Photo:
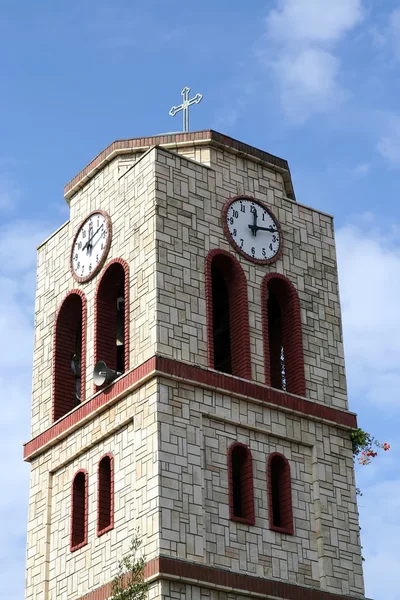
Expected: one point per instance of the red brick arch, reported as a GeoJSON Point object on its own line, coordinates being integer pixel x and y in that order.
{"type": "Point", "coordinates": [72, 310]}
{"type": "Point", "coordinates": [236, 283]}
{"type": "Point", "coordinates": [105, 325]}
{"type": "Point", "coordinates": [79, 510]}
{"type": "Point", "coordinates": [292, 340]}
{"type": "Point", "coordinates": [239, 457]}
{"type": "Point", "coordinates": [105, 494]}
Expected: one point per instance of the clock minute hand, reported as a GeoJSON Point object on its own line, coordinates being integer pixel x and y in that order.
{"type": "Point", "coordinates": [89, 242]}
{"type": "Point", "coordinates": [270, 229]}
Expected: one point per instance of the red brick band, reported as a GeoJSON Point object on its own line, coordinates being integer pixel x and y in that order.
{"type": "Point", "coordinates": [203, 575]}
{"type": "Point", "coordinates": [158, 365]}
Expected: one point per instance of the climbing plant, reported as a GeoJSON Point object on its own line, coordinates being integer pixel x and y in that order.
{"type": "Point", "coordinates": [365, 446]}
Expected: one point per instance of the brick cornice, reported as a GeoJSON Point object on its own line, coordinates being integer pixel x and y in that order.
{"type": "Point", "coordinates": [202, 575]}
{"type": "Point", "coordinates": [202, 377]}
{"type": "Point", "coordinates": [174, 141]}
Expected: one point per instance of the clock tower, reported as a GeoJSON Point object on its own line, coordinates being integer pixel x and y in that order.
{"type": "Point", "coordinates": [189, 382]}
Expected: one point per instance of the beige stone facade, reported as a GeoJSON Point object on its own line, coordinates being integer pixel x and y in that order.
{"type": "Point", "coordinates": [170, 437]}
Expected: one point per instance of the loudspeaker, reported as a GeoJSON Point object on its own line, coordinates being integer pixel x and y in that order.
{"type": "Point", "coordinates": [102, 374]}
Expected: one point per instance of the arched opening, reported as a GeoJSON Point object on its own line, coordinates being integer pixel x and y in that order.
{"type": "Point", "coordinates": [111, 323]}
{"type": "Point", "coordinates": [105, 490]}
{"type": "Point", "coordinates": [227, 315]}
{"type": "Point", "coordinates": [280, 494]}
{"type": "Point", "coordinates": [283, 345]}
{"type": "Point", "coordinates": [79, 511]}
{"type": "Point", "coordinates": [240, 475]}
{"type": "Point", "coordinates": [69, 355]}
{"type": "Point", "coordinates": [275, 339]}
{"type": "Point", "coordinates": [221, 328]}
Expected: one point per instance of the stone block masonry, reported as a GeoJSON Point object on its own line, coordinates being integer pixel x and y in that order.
{"type": "Point", "coordinates": [169, 421]}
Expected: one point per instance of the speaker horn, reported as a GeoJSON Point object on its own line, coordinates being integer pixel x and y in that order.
{"type": "Point", "coordinates": [102, 374]}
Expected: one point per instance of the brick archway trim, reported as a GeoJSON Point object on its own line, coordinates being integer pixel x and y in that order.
{"type": "Point", "coordinates": [292, 332]}
{"type": "Point", "coordinates": [55, 374]}
{"type": "Point", "coordinates": [240, 330]}
{"type": "Point", "coordinates": [285, 499]}
{"type": "Point", "coordinates": [247, 485]}
{"type": "Point", "coordinates": [182, 571]}
{"type": "Point", "coordinates": [125, 267]}
{"type": "Point", "coordinates": [74, 547]}
{"type": "Point", "coordinates": [101, 530]}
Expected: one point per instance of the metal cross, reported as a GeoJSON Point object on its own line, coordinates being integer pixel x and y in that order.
{"type": "Point", "coordinates": [184, 107]}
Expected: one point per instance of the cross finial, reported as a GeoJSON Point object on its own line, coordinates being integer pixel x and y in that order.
{"type": "Point", "coordinates": [184, 107]}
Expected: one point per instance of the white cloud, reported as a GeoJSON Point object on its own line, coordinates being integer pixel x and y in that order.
{"type": "Point", "coordinates": [389, 144]}
{"type": "Point", "coordinates": [393, 32]}
{"type": "Point", "coordinates": [387, 37]}
{"type": "Point", "coordinates": [298, 47]}
{"type": "Point", "coordinates": [9, 192]}
{"type": "Point", "coordinates": [369, 273]}
{"type": "Point", "coordinates": [380, 534]}
{"type": "Point", "coordinates": [361, 169]}
{"type": "Point", "coordinates": [313, 21]}
{"type": "Point", "coordinates": [18, 243]}
{"type": "Point", "coordinates": [313, 69]}
{"type": "Point", "coordinates": [308, 82]}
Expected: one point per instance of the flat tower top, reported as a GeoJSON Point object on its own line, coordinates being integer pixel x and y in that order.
{"type": "Point", "coordinates": [179, 140]}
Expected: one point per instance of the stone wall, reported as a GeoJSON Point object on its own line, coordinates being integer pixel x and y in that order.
{"type": "Point", "coordinates": [190, 198]}
{"type": "Point", "coordinates": [129, 431]}
{"type": "Point", "coordinates": [169, 439]}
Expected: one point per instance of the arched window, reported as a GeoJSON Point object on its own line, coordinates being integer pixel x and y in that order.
{"type": "Point", "coordinates": [227, 315]}
{"type": "Point", "coordinates": [69, 354]}
{"type": "Point", "coordinates": [283, 344]}
{"type": "Point", "coordinates": [105, 495]}
{"type": "Point", "coordinates": [112, 317]}
{"type": "Point", "coordinates": [240, 479]}
{"type": "Point", "coordinates": [79, 510]}
{"type": "Point", "coordinates": [279, 494]}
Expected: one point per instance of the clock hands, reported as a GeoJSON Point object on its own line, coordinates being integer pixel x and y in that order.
{"type": "Point", "coordinates": [89, 242]}
{"type": "Point", "coordinates": [270, 229]}
{"type": "Point", "coordinates": [254, 227]}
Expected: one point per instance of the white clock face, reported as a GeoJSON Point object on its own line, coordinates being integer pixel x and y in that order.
{"type": "Point", "coordinates": [91, 245]}
{"type": "Point", "coordinates": [252, 229]}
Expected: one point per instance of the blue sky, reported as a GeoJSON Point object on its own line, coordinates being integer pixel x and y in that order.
{"type": "Point", "coordinates": [316, 83]}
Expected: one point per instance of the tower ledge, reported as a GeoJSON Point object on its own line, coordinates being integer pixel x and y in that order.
{"type": "Point", "coordinates": [179, 140]}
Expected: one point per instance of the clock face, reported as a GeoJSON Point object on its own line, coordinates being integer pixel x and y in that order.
{"type": "Point", "coordinates": [91, 244]}
{"type": "Point", "coordinates": [252, 229]}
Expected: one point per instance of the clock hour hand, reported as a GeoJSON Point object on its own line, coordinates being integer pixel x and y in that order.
{"type": "Point", "coordinates": [254, 227]}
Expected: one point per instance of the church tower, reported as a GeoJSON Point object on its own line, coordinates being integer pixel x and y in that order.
{"type": "Point", "coordinates": [216, 421]}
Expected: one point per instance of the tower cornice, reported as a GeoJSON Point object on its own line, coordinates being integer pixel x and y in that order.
{"type": "Point", "coordinates": [176, 141]}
